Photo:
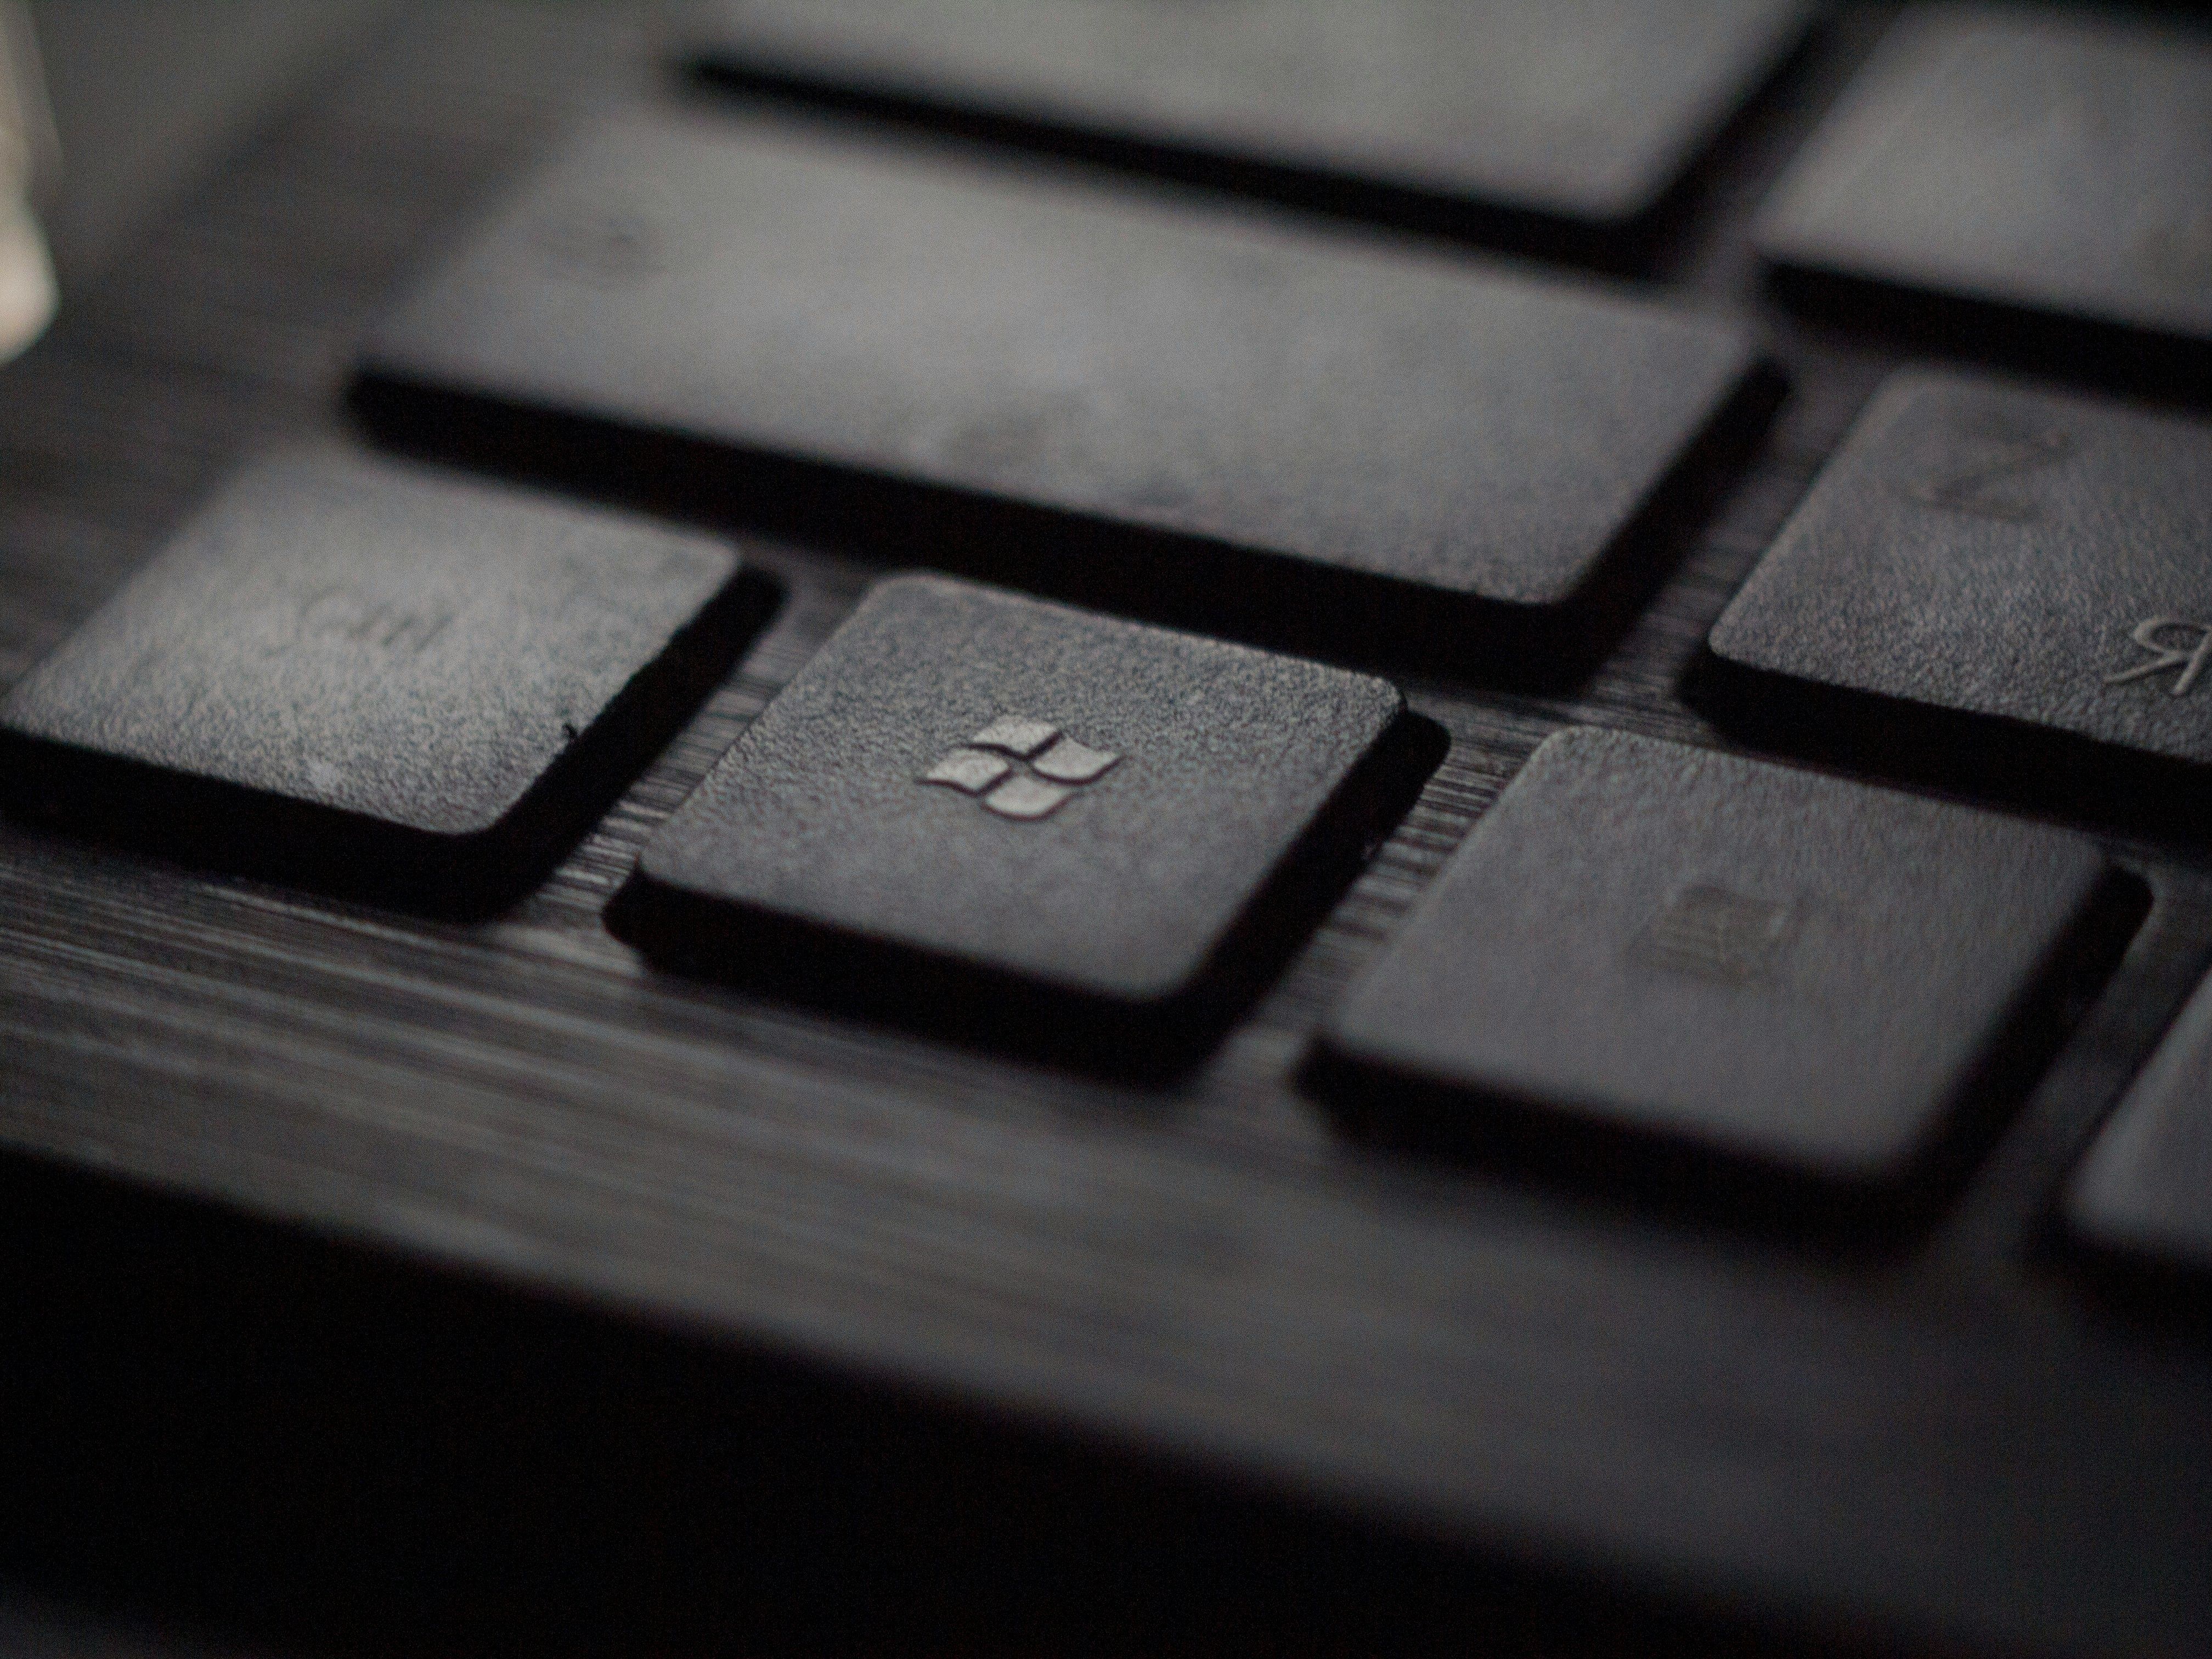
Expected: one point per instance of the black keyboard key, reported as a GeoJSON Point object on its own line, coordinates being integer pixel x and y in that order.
{"type": "Point", "coordinates": [1574, 119]}
{"type": "Point", "coordinates": [1996, 585]}
{"type": "Point", "coordinates": [1743, 970]}
{"type": "Point", "coordinates": [1028, 823]}
{"type": "Point", "coordinates": [927, 335]}
{"type": "Point", "coordinates": [2046, 180]}
{"type": "Point", "coordinates": [376, 678]}
{"type": "Point", "coordinates": [2144, 1195]}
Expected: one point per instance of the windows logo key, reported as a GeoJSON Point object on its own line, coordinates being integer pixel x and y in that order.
{"type": "Point", "coordinates": [1021, 768]}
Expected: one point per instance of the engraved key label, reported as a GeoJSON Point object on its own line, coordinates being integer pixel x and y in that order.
{"type": "Point", "coordinates": [1980, 471]}
{"type": "Point", "coordinates": [1709, 931]}
{"type": "Point", "coordinates": [2174, 646]}
{"type": "Point", "coordinates": [1021, 768]}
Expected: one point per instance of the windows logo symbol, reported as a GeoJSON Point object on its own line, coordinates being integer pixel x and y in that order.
{"type": "Point", "coordinates": [1020, 768]}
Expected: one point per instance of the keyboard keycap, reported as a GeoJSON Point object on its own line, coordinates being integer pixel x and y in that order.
{"type": "Point", "coordinates": [376, 678]}
{"type": "Point", "coordinates": [1238, 402]}
{"type": "Point", "coordinates": [1028, 823]}
{"type": "Point", "coordinates": [1996, 585]}
{"type": "Point", "coordinates": [1579, 116]}
{"type": "Point", "coordinates": [1745, 972]}
{"type": "Point", "coordinates": [2031, 167]}
{"type": "Point", "coordinates": [2144, 1192]}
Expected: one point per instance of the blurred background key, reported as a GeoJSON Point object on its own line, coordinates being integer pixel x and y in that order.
{"type": "Point", "coordinates": [28, 159]}
{"type": "Point", "coordinates": [2034, 184]}
{"type": "Point", "coordinates": [150, 96]}
{"type": "Point", "coordinates": [1565, 126]}
{"type": "Point", "coordinates": [2143, 1197]}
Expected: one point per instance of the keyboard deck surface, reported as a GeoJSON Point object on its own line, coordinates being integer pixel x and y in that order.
{"type": "Point", "coordinates": [668, 1204]}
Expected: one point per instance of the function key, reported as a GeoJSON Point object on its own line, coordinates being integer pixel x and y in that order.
{"type": "Point", "coordinates": [1995, 587]}
{"type": "Point", "coordinates": [2029, 179]}
{"type": "Point", "coordinates": [1268, 430]}
{"type": "Point", "coordinates": [1690, 970]}
{"type": "Point", "coordinates": [1567, 126]}
{"type": "Point", "coordinates": [369, 677]}
{"type": "Point", "coordinates": [1029, 825]}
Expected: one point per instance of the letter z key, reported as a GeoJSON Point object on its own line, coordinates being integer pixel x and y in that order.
{"type": "Point", "coordinates": [1995, 587]}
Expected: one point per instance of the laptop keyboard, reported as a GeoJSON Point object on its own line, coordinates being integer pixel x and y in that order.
{"type": "Point", "coordinates": [1429, 903]}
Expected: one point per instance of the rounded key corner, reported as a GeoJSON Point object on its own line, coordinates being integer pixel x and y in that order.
{"type": "Point", "coordinates": [1136, 997]}
{"type": "Point", "coordinates": [1387, 699]}
{"type": "Point", "coordinates": [462, 830]}
{"type": "Point", "coordinates": [1746, 338]}
{"type": "Point", "coordinates": [441, 848]}
{"type": "Point", "coordinates": [1764, 379]}
{"type": "Point", "coordinates": [1164, 996]}
{"type": "Point", "coordinates": [662, 871]}
{"type": "Point", "coordinates": [1543, 603]}
{"type": "Point", "coordinates": [654, 911]}
{"type": "Point", "coordinates": [1568, 741]}
{"type": "Point", "coordinates": [919, 580]}
{"type": "Point", "coordinates": [1872, 1164]}
{"type": "Point", "coordinates": [1375, 1096]}
{"type": "Point", "coordinates": [1730, 341]}
{"type": "Point", "coordinates": [1340, 1057]}
{"type": "Point", "coordinates": [1776, 232]}
{"type": "Point", "coordinates": [731, 567]}
{"type": "Point", "coordinates": [23, 709]}
{"type": "Point", "coordinates": [1723, 649]}
{"type": "Point", "coordinates": [2125, 1260]}
{"type": "Point", "coordinates": [1905, 383]}
{"type": "Point", "coordinates": [1619, 211]}
{"type": "Point", "coordinates": [2114, 903]}
{"type": "Point", "coordinates": [456, 836]}
{"type": "Point", "coordinates": [1746, 640]}
{"type": "Point", "coordinates": [2089, 1187]}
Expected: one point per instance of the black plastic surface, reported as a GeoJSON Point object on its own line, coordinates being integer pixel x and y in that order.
{"type": "Point", "coordinates": [1278, 406]}
{"type": "Point", "coordinates": [723, 1321]}
{"type": "Point", "coordinates": [1997, 583]}
{"type": "Point", "coordinates": [1579, 117]}
{"type": "Point", "coordinates": [2035, 179]}
{"type": "Point", "coordinates": [360, 674]}
{"type": "Point", "coordinates": [1760, 965]}
{"type": "Point", "coordinates": [1031, 822]}
{"type": "Point", "coordinates": [2144, 1192]}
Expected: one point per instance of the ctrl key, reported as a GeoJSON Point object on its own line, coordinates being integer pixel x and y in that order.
{"type": "Point", "coordinates": [1694, 975]}
{"type": "Point", "coordinates": [376, 679]}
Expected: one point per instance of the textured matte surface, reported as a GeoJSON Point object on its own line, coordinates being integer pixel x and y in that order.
{"type": "Point", "coordinates": [1204, 1284]}
{"type": "Point", "coordinates": [382, 646]}
{"type": "Point", "coordinates": [1588, 109]}
{"type": "Point", "coordinates": [2145, 1190]}
{"type": "Point", "coordinates": [1982, 549]}
{"type": "Point", "coordinates": [1016, 786]}
{"type": "Point", "coordinates": [2025, 157]}
{"type": "Point", "coordinates": [1774, 966]}
{"type": "Point", "coordinates": [1165, 368]}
